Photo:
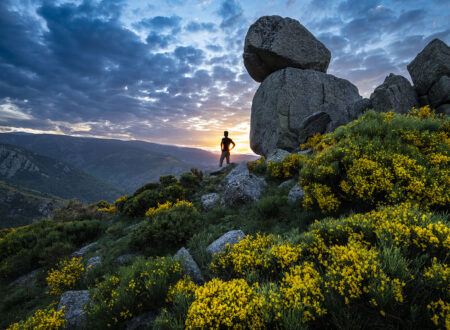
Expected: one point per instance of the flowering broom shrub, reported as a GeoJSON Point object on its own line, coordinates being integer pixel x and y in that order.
{"type": "Point", "coordinates": [65, 276]}
{"type": "Point", "coordinates": [46, 318]}
{"type": "Point", "coordinates": [381, 158]}
{"type": "Point", "coordinates": [287, 168]}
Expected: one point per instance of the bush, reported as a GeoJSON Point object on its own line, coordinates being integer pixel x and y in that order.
{"type": "Point", "coordinates": [287, 168]}
{"type": "Point", "coordinates": [270, 206]}
{"type": "Point", "coordinates": [167, 225]}
{"type": "Point", "coordinates": [381, 158]}
{"type": "Point", "coordinates": [258, 166]}
{"type": "Point", "coordinates": [74, 210]}
{"type": "Point", "coordinates": [142, 286]}
{"type": "Point", "coordinates": [42, 243]}
{"type": "Point", "coordinates": [65, 276]}
{"type": "Point", "coordinates": [47, 318]}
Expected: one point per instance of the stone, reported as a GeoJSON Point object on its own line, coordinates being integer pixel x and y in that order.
{"type": "Point", "coordinates": [81, 252]}
{"type": "Point", "coordinates": [232, 237]}
{"type": "Point", "coordinates": [273, 43]}
{"type": "Point", "coordinates": [191, 267]}
{"type": "Point", "coordinates": [223, 170]}
{"type": "Point", "coordinates": [296, 194]}
{"type": "Point", "coordinates": [430, 65]}
{"type": "Point", "coordinates": [395, 93]}
{"type": "Point", "coordinates": [305, 152]}
{"type": "Point", "coordinates": [423, 100]}
{"type": "Point", "coordinates": [316, 123]}
{"type": "Point", "coordinates": [241, 169]}
{"type": "Point", "coordinates": [27, 279]}
{"type": "Point", "coordinates": [277, 155]}
{"type": "Point", "coordinates": [209, 200]}
{"type": "Point", "coordinates": [127, 258]}
{"type": "Point", "coordinates": [142, 322]}
{"type": "Point", "coordinates": [287, 183]}
{"type": "Point", "coordinates": [440, 92]}
{"type": "Point", "coordinates": [74, 302]}
{"type": "Point", "coordinates": [445, 109]}
{"type": "Point", "coordinates": [286, 98]}
{"type": "Point", "coordinates": [359, 107]}
{"type": "Point", "coordinates": [242, 189]}
{"type": "Point", "coordinates": [93, 263]}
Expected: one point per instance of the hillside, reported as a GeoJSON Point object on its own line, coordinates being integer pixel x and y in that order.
{"type": "Point", "coordinates": [24, 168]}
{"type": "Point", "coordinates": [124, 164]}
{"type": "Point", "coordinates": [20, 206]}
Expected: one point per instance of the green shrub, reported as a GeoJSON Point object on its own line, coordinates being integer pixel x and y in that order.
{"type": "Point", "coordinates": [168, 180]}
{"type": "Point", "coordinates": [258, 166]}
{"type": "Point", "coordinates": [270, 206]}
{"type": "Point", "coordinates": [167, 227]}
{"type": "Point", "coordinates": [147, 186]}
{"type": "Point", "coordinates": [140, 287]}
{"type": "Point", "coordinates": [74, 210]}
{"type": "Point", "coordinates": [42, 243]}
{"type": "Point", "coordinates": [381, 158]}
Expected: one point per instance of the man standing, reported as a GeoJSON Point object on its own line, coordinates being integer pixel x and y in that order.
{"type": "Point", "coordinates": [225, 146]}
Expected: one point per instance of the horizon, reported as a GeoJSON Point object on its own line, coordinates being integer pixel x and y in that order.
{"type": "Point", "coordinates": [171, 72]}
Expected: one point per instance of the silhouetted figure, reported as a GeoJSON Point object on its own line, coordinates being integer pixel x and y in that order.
{"type": "Point", "coordinates": [225, 146]}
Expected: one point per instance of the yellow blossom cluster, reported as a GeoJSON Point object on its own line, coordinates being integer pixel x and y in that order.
{"type": "Point", "coordinates": [185, 286]}
{"type": "Point", "coordinates": [65, 276]}
{"type": "Point", "coordinates": [254, 166]}
{"type": "Point", "coordinates": [233, 305]}
{"type": "Point", "coordinates": [381, 158]}
{"type": "Point", "coordinates": [46, 319]}
{"type": "Point", "coordinates": [166, 206]}
{"type": "Point", "coordinates": [109, 209]}
{"type": "Point", "coordinates": [441, 313]}
{"type": "Point", "coordinates": [287, 168]}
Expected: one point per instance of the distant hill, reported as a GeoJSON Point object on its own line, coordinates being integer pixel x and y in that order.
{"type": "Point", "coordinates": [20, 206]}
{"type": "Point", "coordinates": [125, 164]}
{"type": "Point", "coordinates": [24, 168]}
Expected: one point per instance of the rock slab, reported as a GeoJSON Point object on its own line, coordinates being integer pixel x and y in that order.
{"type": "Point", "coordinates": [440, 92]}
{"type": "Point", "coordinates": [74, 302]}
{"type": "Point", "coordinates": [191, 266]}
{"type": "Point", "coordinates": [210, 200]}
{"type": "Point", "coordinates": [287, 98]}
{"type": "Point", "coordinates": [81, 252]}
{"type": "Point", "coordinates": [395, 93]}
{"type": "Point", "coordinates": [273, 43]}
{"type": "Point", "coordinates": [142, 322]}
{"type": "Point", "coordinates": [296, 194]}
{"type": "Point", "coordinates": [430, 65]}
{"type": "Point", "coordinates": [232, 237]}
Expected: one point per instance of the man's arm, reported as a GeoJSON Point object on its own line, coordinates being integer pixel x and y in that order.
{"type": "Point", "coordinates": [233, 145]}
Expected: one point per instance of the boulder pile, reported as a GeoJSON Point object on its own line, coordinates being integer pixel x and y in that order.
{"type": "Point", "coordinates": [297, 98]}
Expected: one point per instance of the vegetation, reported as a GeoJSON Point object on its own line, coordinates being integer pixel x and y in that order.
{"type": "Point", "coordinates": [371, 250]}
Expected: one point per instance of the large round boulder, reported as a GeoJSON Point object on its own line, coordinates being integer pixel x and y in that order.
{"type": "Point", "coordinates": [273, 43]}
{"type": "Point", "coordinates": [395, 93]}
{"type": "Point", "coordinates": [430, 65]}
{"type": "Point", "coordinates": [293, 104]}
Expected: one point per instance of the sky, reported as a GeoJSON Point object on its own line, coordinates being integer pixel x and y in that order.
{"type": "Point", "coordinates": [171, 71]}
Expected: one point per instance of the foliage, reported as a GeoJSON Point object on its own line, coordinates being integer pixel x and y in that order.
{"type": "Point", "coordinates": [287, 168]}
{"type": "Point", "coordinates": [167, 225]}
{"type": "Point", "coordinates": [65, 276]}
{"type": "Point", "coordinates": [142, 286]}
{"type": "Point", "coordinates": [74, 210]}
{"type": "Point", "coordinates": [47, 318]}
{"type": "Point", "coordinates": [381, 158]}
{"type": "Point", "coordinates": [42, 243]}
{"type": "Point", "coordinates": [258, 166]}
{"type": "Point", "coordinates": [120, 202]}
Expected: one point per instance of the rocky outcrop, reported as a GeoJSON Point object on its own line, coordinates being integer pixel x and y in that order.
{"type": "Point", "coordinates": [222, 170]}
{"type": "Point", "coordinates": [209, 200]}
{"type": "Point", "coordinates": [273, 43]}
{"type": "Point", "coordinates": [440, 92]}
{"type": "Point", "coordinates": [296, 194]}
{"type": "Point", "coordinates": [81, 252]}
{"type": "Point", "coordinates": [284, 103]}
{"type": "Point", "coordinates": [241, 187]}
{"type": "Point", "coordinates": [74, 302]}
{"type": "Point", "coordinates": [190, 266]}
{"type": "Point", "coordinates": [13, 161]}
{"type": "Point", "coordinates": [430, 65]}
{"type": "Point", "coordinates": [395, 93]}
{"type": "Point", "coordinates": [27, 279]}
{"type": "Point", "coordinates": [357, 108]}
{"type": "Point", "coordinates": [277, 155]}
{"type": "Point", "coordinates": [142, 322]}
{"type": "Point", "coordinates": [230, 238]}
{"type": "Point", "coordinates": [93, 263]}
{"type": "Point", "coordinates": [126, 259]}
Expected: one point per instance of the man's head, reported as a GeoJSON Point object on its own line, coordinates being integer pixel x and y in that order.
{"type": "Point", "coordinates": [225, 133]}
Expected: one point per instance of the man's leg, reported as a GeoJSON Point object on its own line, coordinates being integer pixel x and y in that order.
{"type": "Point", "coordinates": [222, 155]}
{"type": "Point", "coordinates": [228, 157]}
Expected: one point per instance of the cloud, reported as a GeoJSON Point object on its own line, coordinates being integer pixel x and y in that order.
{"type": "Point", "coordinates": [196, 27]}
{"type": "Point", "coordinates": [161, 22]}
{"type": "Point", "coordinates": [231, 13]}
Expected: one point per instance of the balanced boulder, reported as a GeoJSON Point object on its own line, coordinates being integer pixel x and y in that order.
{"type": "Point", "coordinates": [293, 104]}
{"type": "Point", "coordinates": [430, 65]}
{"type": "Point", "coordinates": [273, 43]}
{"type": "Point", "coordinates": [395, 93]}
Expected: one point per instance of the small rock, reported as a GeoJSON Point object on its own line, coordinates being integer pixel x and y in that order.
{"type": "Point", "coordinates": [287, 183]}
{"type": "Point", "coordinates": [74, 302]}
{"type": "Point", "coordinates": [92, 263]}
{"type": "Point", "coordinates": [142, 322]}
{"type": "Point", "coordinates": [243, 189]}
{"type": "Point", "coordinates": [430, 65]}
{"type": "Point", "coordinates": [273, 43]}
{"type": "Point", "coordinates": [27, 279]}
{"type": "Point", "coordinates": [232, 237]}
{"type": "Point", "coordinates": [440, 92]}
{"type": "Point", "coordinates": [296, 194]}
{"type": "Point", "coordinates": [395, 93]}
{"type": "Point", "coordinates": [191, 266]}
{"type": "Point", "coordinates": [209, 200]}
{"type": "Point", "coordinates": [127, 258]}
{"type": "Point", "coordinates": [277, 155]}
{"type": "Point", "coordinates": [81, 252]}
